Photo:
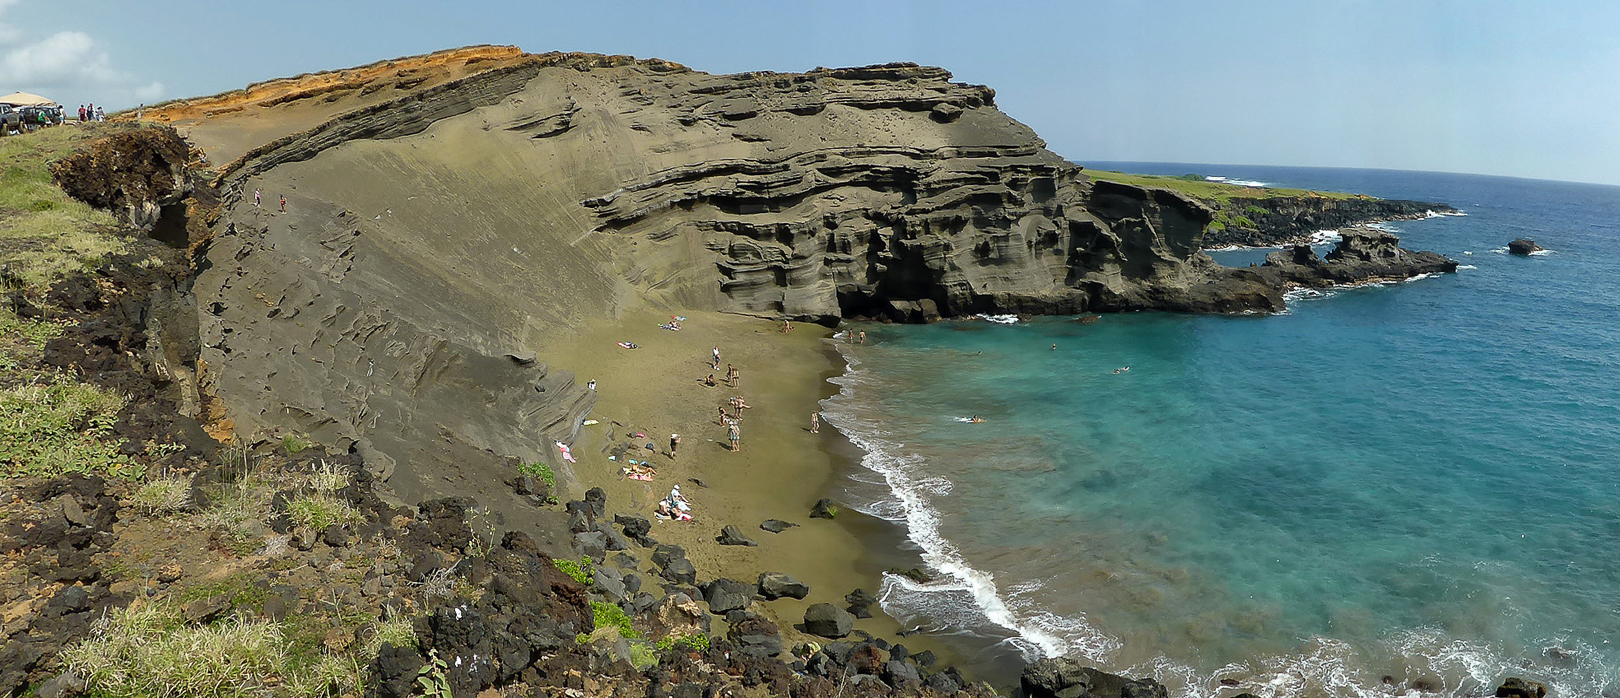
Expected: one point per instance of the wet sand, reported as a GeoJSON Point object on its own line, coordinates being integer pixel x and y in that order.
{"type": "Point", "coordinates": [780, 473]}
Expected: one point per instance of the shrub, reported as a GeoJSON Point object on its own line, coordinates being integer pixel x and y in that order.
{"type": "Point", "coordinates": [328, 478]}
{"type": "Point", "coordinates": [293, 445]}
{"type": "Point", "coordinates": [163, 495]}
{"type": "Point", "coordinates": [610, 615]}
{"type": "Point", "coordinates": [642, 656]}
{"type": "Point", "coordinates": [582, 571]}
{"type": "Point", "coordinates": [542, 471]}
{"type": "Point", "coordinates": [320, 511]}
{"type": "Point", "coordinates": [698, 642]}
{"type": "Point", "coordinates": [396, 631]}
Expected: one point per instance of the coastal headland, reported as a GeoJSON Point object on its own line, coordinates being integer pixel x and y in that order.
{"type": "Point", "coordinates": [363, 377]}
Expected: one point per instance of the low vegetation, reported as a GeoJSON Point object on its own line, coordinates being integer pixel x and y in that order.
{"type": "Point", "coordinates": [58, 427]}
{"type": "Point", "coordinates": [46, 235]}
{"type": "Point", "coordinates": [164, 494]}
{"type": "Point", "coordinates": [320, 511]}
{"type": "Point", "coordinates": [149, 651]}
{"type": "Point", "coordinates": [581, 571]}
{"type": "Point", "coordinates": [541, 472]}
{"type": "Point", "coordinates": [609, 615]}
{"type": "Point", "coordinates": [1215, 192]}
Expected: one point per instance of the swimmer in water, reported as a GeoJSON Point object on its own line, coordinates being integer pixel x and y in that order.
{"type": "Point", "coordinates": [1118, 371]}
{"type": "Point", "coordinates": [976, 419]}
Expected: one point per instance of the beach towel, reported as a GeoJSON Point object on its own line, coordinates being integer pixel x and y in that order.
{"type": "Point", "coordinates": [567, 454]}
{"type": "Point", "coordinates": [669, 327]}
{"type": "Point", "coordinates": [589, 423]}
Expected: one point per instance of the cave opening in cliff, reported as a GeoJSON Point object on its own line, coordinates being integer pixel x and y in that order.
{"type": "Point", "coordinates": [170, 228]}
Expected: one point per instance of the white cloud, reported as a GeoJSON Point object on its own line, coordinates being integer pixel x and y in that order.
{"type": "Point", "coordinates": [67, 66]}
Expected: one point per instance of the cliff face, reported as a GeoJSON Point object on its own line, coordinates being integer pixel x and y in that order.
{"type": "Point", "coordinates": [436, 244]}
{"type": "Point", "coordinates": [1285, 220]}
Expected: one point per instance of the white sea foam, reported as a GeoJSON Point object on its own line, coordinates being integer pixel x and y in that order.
{"type": "Point", "coordinates": [1541, 253]}
{"type": "Point", "coordinates": [998, 319]}
{"type": "Point", "coordinates": [1443, 214]}
{"type": "Point", "coordinates": [1461, 267]}
{"type": "Point", "coordinates": [1323, 237]}
{"type": "Point", "coordinates": [1038, 633]}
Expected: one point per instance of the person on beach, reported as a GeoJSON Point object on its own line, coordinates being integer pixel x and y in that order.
{"type": "Point", "coordinates": [710, 381]}
{"type": "Point", "coordinates": [787, 326]}
{"type": "Point", "coordinates": [735, 434]}
{"type": "Point", "coordinates": [674, 443]}
{"type": "Point", "coordinates": [723, 416]}
{"type": "Point", "coordinates": [283, 203]}
{"type": "Point", "coordinates": [815, 422]}
{"type": "Point", "coordinates": [863, 337]}
{"type": "Point", "coordinates": [591, 385]}
{"type": "Point", "coordinates": [732, 374]}
{"type": "Point", "coordinates": [257, 198]}
{"type": "Point", "coordinates": [716, 362]}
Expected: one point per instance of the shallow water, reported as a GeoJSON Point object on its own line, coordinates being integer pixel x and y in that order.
{"type": "Point", "coordinates": [1416, 481]}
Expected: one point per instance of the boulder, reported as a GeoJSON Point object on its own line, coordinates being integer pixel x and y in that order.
{"type": "Point", "coordinates": [1515, 687]}
{"type": "Point", "coordinates": [727, 595]}
{"type": "Point", "coordinates": [899, 673]}
{"type": "Point", "coordinates": [775, 585]}
{"type": "Point", "coordinates": [824, 509]}
{"type": "Point", "coordinates": [1055, 677]}
{"type": "Point", "coordinates": [205, 610]}
{"type": "Point", "coordinates": [860, 603]}
{"type": "Point", "coordinates": [755, 636]}
{"type": "Point", "coordinates": [614, 540]}
{"type": "Point", "coordinates": [680, 571]}
{"type": "Point", "coordinates": [664, 554]}
{"type": "Point", "coordinates": [1523, 247]}
{"type": "Point", "coordinates": [777, 525]}
{"type": "Point", "coordinates": [597, 500]}
{"type": "Point", "coordinates": [679, 615]}
{"type": "Point", "coordinates": [612, 586]}
{"type": "Point", "coordinates": [593, 544]}
{"type": "Point", "coordinates": [827, 620]}
{"type": "Point", "coordinates": [635, 527]}
{"type": "Point", "coordinates": [729, 535]}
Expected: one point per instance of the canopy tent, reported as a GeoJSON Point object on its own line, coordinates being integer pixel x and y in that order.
{"type": "Point", "coordinates": [23, 99]}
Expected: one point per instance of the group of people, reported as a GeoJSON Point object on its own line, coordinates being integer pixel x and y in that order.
{"type": "Point", "coordinates": [91, 113]}
{"type": "Point", "coordinates": [259, 199]}
{"type": "Point", "coordinates": [675, 506]}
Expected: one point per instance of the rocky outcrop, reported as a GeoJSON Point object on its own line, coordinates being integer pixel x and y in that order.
{"type": "Point", "coordinates": [1272, 220]}
{"type": "Point", "coordinates": [1062, 677]}
{"type": "Point", "coordinates": [134, 175]}
{"type": "Point", "coordinates": [1524, 247]}
{"type": "Point", "coordinates": [1362, 255]}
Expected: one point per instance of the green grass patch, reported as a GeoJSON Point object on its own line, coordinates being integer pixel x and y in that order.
{"type": "Point", "coordinates": [581, 571]}
{"type": "Point", "coordinates": [51, 429]}
{"type": "Point", "coordinates": [320, 511]}
{"type": "Point", "coordinates": [148, 651]}
{"type": "Point", "coordinates": [45, 234]}
{"type": "Point", "coordinates": [294, 445]}
{"type": "Point", "coordinates": [241, 589]}
{"type": "Point", "coordinates": [163, 495]}
{"type": "Point", "coordinates": [1214, 192]}
{"type": "Point", "coordinates": [698, 642]}
{"type": "Point", "coordinates": [609, 615]}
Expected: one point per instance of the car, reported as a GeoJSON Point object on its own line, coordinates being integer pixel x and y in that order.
{"type": "Point", "coordinates": [10, 120]}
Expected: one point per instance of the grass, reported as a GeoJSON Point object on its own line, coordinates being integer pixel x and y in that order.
{"type": "Point", "coordinates": [581, 571]}
{"type": "Point", "coordinates": [60, 427]}
{"type": "Point", "coordinates": [1215, 192]}
{"type": "Point", "coordinates": [293, 444]}
{"type": "Point", "coordinates": [328, 478]}
{"type": "Point", "coordinates": [164, 494]}
{"type": "Point", "coordinates": [148, 651]}
{"type": "Point", "coordinates": [46, 235]}
{"type": "Point", "coordinates": [698, 642]}
{"type": "Point", "coordinates": [396, 631]}
{"type": "Point", "coordinates": [320, 511]}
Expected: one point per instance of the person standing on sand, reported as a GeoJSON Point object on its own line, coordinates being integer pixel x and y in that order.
{"type": "Point", "coordinates": [787, 326]}
{"type": "Point", "coordinates": [716, 362]}
{"type": "Point", "coordinates": [732, 375]}
{"type": "Point", "coordinates": [257, 198]}
{"type": "Point", "coordinates": [283, 203]}
{"type": "Point", "coordinates": [815, 422]}
{"type": "Point", "coordinates": [674, 443]}
{"type": "Point", "coordinates": [735, 434]}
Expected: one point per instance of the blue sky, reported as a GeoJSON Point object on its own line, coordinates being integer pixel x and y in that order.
{"type": "Point", "coordinates": [1509, 88]}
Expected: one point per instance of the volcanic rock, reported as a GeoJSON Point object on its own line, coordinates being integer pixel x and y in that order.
{"type": "Point", "coordinates": [1523, 247]}
{"type": "Point", "coordinates": [824, 509]}
{"type": "Point", "coordinates": [827, 620]}
{"type": "Point", "coordinates": [730, 535]}
{"type": "Point", "coordinates": [775, 585]}
{"type": "Point", "coordinates": [777, 525]}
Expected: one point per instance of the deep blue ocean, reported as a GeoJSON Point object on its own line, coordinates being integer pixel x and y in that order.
{"type": "Point", "coordinates": [1405, 486]}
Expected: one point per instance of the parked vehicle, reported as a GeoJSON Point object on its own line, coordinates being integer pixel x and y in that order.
{"type": "Point", "coordinates": [10, 120]}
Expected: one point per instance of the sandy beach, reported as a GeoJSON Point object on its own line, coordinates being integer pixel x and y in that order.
{"type": "Point", "coordinates": [781, 471]}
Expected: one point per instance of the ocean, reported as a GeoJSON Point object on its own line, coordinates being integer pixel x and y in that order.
{"type": "Point", "coordinates": [1383, 490]}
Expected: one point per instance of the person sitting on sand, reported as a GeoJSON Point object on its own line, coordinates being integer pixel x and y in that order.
{"type": "Point", "coordinates": [787, 326]}
{"type": "Point", "coordinates": [723, 416]}
{"type": "Point", "coordinates": [710, 381]}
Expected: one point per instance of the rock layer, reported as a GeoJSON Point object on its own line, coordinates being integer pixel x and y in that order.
{"type": "Point", "coordinates": [1286, 220]}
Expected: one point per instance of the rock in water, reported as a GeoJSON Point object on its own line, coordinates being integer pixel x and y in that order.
{"type": "Point", "coordinates": [777, 525]}
{"type": "Point", "coordinates": [824, 509]}
{"type": "Point", "coordinates": [1523, 247]}
{"type": "Point", "coordinates": [730, 535]}
{"type": "Point", "coordinates": [775, 585]}
{"type": "Point", "coordinates": [828, 621]}
{"type": "Point", "coordinates": [1515, 687]}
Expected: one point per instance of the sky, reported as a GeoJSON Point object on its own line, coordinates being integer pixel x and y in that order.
{"type": "Point", "coordinates": [1479, 86]}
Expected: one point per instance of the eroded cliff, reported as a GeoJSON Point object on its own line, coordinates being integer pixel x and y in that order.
{"type": "Point", "coordinates": [434, 245]}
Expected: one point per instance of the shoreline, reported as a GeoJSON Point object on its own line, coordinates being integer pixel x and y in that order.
{"type": "Point", "coordinates": [780, 473]}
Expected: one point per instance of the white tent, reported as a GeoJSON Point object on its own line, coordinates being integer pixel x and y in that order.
{"type": "Point", "coordinates": [23, 99]}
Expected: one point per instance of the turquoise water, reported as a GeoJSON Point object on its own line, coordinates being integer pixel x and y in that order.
{"type": "Point", "coordinates": [1416, 481]}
